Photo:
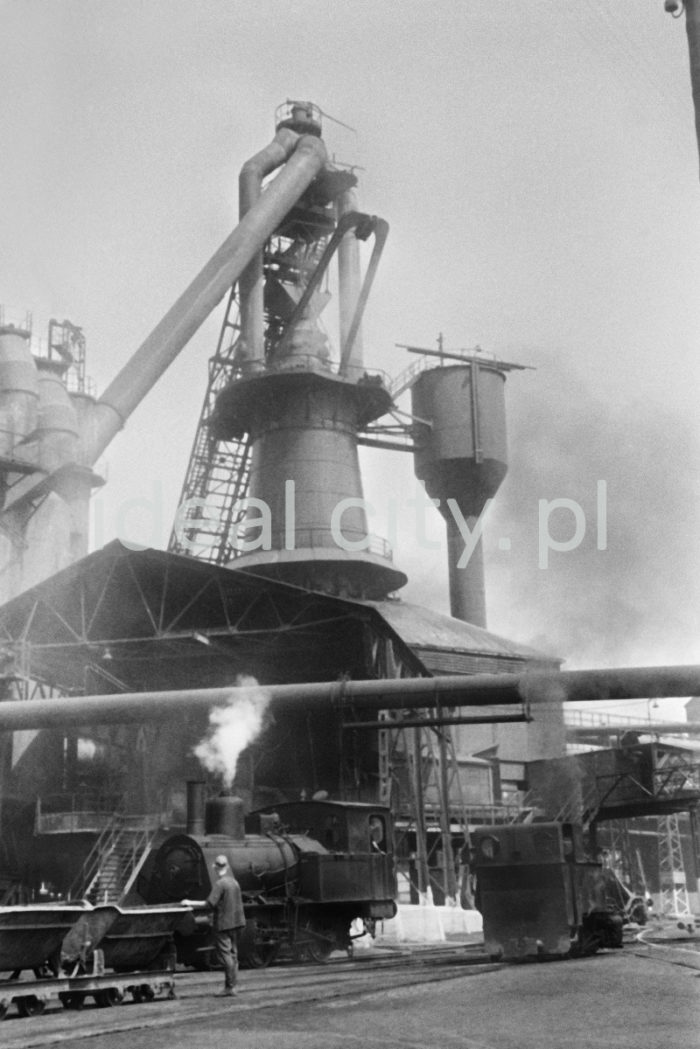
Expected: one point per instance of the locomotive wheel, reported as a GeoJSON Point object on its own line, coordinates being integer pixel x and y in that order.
{"type": "Point", "coordinates": [72, 999]}
{"type": "Point", "coordinates": [255, 949]}
{"type": "Point", "coordinates": [259, 956]}
{"type": "Point", "coordinates": [108, 997]}
{"type": "Point", "coordinates": [30, 1005]}
{"type": "Point", "coordinates": [320, 946]}
{"type": "Point", "coordinates": [143, 993]}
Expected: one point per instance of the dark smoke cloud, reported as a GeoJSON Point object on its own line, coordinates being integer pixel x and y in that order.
{"type": "Point", "coordinates": [637, 601]}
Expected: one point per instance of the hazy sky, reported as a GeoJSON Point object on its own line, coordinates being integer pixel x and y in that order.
{"type": "Point", "coordinates": [537, 163]}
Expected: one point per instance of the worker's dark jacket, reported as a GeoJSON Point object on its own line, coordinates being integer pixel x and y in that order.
{"type": "Point", "coordinates": [226, 900]}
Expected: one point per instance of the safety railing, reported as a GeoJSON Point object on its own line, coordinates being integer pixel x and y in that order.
{"type": "Point", "coordinates": [313, 363]}
{"type": "Point", "coordinates": [324, 538]}
{"type": "Point", "coordinates": [69, 813]}
{"type": "Point", "coordinates": [11, 317]}
{"type": "Point", "coordinates": [595, 719]}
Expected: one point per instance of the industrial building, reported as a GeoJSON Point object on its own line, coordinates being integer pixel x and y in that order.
{"type": "Point", "coordinates": [271, 573]}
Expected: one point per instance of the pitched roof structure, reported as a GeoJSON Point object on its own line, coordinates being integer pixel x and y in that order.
{"type": "Point", "coordinates": [139, 619]}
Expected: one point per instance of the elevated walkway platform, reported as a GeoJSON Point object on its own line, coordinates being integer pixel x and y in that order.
{"type": "Point", "coordinates": [641, 779]}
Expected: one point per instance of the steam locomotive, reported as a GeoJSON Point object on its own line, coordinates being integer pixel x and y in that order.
{"type": "Point", "coordinates": [307, 871]}
{"type": "Point", "coordinates": [540, 893]}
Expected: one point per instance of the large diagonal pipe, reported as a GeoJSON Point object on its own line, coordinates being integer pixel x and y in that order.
{"type": "Point", "coordinates": [207, 289]}
{"type": "Point", "coordinates": [251, 282]}
{"type": "Point", "coordinates": [478, 690]}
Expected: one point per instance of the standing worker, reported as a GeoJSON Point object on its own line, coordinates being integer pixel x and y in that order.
{"type": "Point", "coordinates": [227, 903]}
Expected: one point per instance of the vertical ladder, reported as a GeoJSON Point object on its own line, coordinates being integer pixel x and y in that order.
{"type": "Point", "coordinates": [218, 471]}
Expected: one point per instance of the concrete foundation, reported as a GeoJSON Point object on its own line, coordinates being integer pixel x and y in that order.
{"type": "Point", "coordinates": [418, 923]}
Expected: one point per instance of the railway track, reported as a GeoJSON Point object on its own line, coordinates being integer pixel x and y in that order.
{"type": "Point", "coordinates": [340, 979]}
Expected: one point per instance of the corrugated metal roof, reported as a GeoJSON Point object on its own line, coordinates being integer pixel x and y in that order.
{"type": "Point", "coordinates": [448, 645]}
{"type": "Point", "coordinates": [149, 608]}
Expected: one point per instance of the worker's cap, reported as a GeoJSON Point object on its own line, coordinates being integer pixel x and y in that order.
{"type": "Point", "coordinates": [221, 861]}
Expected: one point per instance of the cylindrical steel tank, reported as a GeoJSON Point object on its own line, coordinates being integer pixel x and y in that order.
{"type": "Point", "coordinates": [18, 389]}
{"type": "Point", "coordinates": [310, 440]}
{"type": "Point", "coordinates": [59, 531]}
{"type": "Point", "coordinates": [461, 455]}
{"type": "Point", "coordinates": [84, 405]}
{"type": "Point", "coordinates": [57, 425]}
{"type": "Point", "coordinates": [308, 523]}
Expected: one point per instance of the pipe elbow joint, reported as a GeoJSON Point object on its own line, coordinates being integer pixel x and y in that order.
{"type": "Point", "coordinates": [312, 146]}
{"type": "Point", "coordinates": [269, 158]}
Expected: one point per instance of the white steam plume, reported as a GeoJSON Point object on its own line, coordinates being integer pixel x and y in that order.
{"type": "Point", "coordinates": [233, 728]}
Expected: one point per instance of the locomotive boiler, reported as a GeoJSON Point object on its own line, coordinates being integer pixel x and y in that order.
{"type": "Point", "coordinates": [307, 871]}
{"type": "Point", "coordinates": [541, 894]}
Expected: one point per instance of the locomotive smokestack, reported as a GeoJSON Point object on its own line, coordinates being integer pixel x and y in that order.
{"type": "Point", "coordinates": [195, 807]}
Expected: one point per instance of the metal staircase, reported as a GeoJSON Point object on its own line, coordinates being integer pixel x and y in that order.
{"type": "Point", "coordinates": [216, 482]}
{"type": "Point", "coordinates": [112, 865]}
{"type": "Point", "coordinates": [218, 471]}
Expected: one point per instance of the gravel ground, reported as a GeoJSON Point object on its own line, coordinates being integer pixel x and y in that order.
{"type": "Point", "coordinates": [611, 1000]}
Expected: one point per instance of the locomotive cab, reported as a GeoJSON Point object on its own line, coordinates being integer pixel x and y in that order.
{"type": "Point", "coordinates": [354, 862]}
{"type": "Point", "coordinates": [340, 826]}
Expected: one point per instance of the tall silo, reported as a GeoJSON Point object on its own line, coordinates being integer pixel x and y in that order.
{"type": "Point", "coordinates": [44, 484]}
{"type": "Point", "coordinates": [461, 456]}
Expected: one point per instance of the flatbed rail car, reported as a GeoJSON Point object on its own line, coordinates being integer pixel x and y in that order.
{"type": "Point", "coordinates": [32, 996]}
{"type": "Point", "coordinates": [540, 894]}
{"type": "Point", "coordinates": [73, 951]}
